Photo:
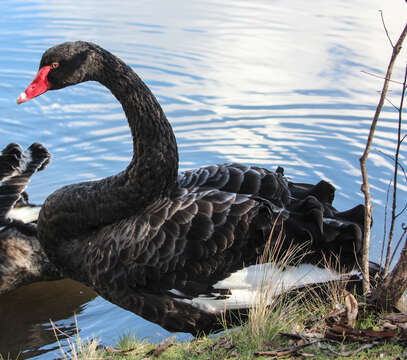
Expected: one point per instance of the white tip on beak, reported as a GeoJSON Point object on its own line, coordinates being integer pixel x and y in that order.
{"type": "Point", "coordinates": [22, 97]}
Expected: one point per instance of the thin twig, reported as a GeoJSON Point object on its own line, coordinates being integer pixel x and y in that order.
{"type": "Point", "coordinates": [363, 159]}
{"type": "Point", "coordinates": [349, 353]}
{"type": "Point", "coordinates": [381, 77]}
{"type": "Point", "coordinates": [395, 178]}
{"type": "Point", "coordinates": [393, 159]}
{"type": "Point", "coordinates": [401, 141]}
{"type": "Point", "coordinates": [402, 210]}
{"type": "Point", "coordinates": [385, 223]}
{"type": "Point", "coordinates": [387, 197]}
{"type": "Point", "coordinates": [285, 351]}
{"type": "Point", "coordinates": [385, 28]}
{"type": "Point", "coordinates": [388, 100]}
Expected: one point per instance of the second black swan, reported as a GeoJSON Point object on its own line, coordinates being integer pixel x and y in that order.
{"type": "Point", "coordinates": [153, 240]}
{"type": "Point", "coordinates": [22, 258]}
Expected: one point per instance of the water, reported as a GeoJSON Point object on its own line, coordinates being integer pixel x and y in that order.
{"type": "Point", "coordinates": [261, 82]}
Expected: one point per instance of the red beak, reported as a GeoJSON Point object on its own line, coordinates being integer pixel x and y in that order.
{"type": "Point", "coordinates": [37, 87]}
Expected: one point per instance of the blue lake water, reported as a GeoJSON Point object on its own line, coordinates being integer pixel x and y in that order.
{"type": "Point", "coordinates": [264, 82]}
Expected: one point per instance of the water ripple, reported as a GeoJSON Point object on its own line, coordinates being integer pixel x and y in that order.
{"type": "Point", "coordinates": [239, 81]}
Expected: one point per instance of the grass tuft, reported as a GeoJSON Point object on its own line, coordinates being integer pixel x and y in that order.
{"type": "Point", "coordinates": [78, 349]}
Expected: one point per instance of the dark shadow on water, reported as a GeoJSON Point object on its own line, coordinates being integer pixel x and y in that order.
{"type": "Point", "coordinates": [25, 313]}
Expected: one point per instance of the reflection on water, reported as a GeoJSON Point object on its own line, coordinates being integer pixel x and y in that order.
{"type": "Point", "coordinates": [25, 315]}
{"type": "Point", "coordinates": [262, 82]}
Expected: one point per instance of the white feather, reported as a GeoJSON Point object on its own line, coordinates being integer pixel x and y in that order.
{"type": "Point", "coordinates": [247, 284]}
{"type": "Point", "coordinates": [25, 214]}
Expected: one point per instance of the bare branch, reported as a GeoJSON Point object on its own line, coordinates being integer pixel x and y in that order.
{"type": "Point", "coordinates": [385, 223]}
{"type": "Point", "coordinates": [395, 178]}
{"type": "Point", "coordinates": [363, 159]}
{"type": "Point", "coordinates": [385, 28]}
{"type": "Point", "coordinates": [404, 209]}
{"type": "Point", "coordinates": [381, 77]}
{"type": "Point", "coordinates": [393, 159]}
{"type": "Point", "coordinates": [388, 100]}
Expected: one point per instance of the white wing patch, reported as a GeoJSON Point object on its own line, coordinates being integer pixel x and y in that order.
{"type": "Point", "coordinates": [247, 286]}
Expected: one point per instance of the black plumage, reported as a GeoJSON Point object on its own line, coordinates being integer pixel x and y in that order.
{"type": "Point", "coordinates": [148, 238]}
{"type": "Point", "coordinates": [22, 259]}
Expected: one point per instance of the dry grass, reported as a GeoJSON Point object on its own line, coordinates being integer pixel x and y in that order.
{"type": "Point", "coordinates": [269, 308]}
{"type": "Point", "coordinates": [274, 310]}
{"type": "Point", "coordinates": [78, 349]}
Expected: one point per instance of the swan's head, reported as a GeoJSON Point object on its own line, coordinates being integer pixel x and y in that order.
{"type": "Point", "coordinates": [63, 65]}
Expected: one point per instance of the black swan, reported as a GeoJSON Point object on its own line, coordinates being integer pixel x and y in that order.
{"type": "Point", "coordinates": [154, 241]}
{"type": "Point", "coordinates": [22, 259]}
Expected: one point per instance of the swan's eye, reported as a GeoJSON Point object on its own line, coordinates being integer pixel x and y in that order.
{"type": "Point", "coordinates": [55, 65]}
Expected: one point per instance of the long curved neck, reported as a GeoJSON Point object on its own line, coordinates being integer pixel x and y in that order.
{"type": "Point", "coordinates": [78, 209]}
{"type": "Point", "coordinates": [154, 166]}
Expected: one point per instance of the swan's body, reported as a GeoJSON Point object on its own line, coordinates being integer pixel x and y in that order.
{"type": "Point", "coordinates": [150, 239]}
{"type": "Point", "coordinates": [22, 259]}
